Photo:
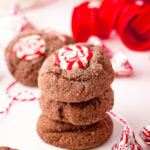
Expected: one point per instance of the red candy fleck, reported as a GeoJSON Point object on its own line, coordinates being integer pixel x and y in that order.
{"type": "Point", "coordinates": [71, 57]}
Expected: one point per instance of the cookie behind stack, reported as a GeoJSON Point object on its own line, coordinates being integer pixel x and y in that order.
{"type": "Point", "coordinates": [75, 100]}
{"type": "Point", "coordinates": [26, 53]}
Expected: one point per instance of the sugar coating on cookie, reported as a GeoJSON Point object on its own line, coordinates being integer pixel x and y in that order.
{"type": "Point", "coordinates": [77, 84]}
{"type": "Point", "coordinates": [69, 136]}
{"type": "Point", "coordinates": [83, 113]}
{"type": "Point", "coordinates": [29, 47]}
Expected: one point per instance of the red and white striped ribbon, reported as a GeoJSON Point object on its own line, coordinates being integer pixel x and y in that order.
{"type": "Point", "coordinates": [18, 97]}
{"type": "Point", "coordinates": [14, 7]}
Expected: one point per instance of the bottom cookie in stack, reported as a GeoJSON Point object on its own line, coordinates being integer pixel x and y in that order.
{"type": "Point", "coordinates": [71, 136]}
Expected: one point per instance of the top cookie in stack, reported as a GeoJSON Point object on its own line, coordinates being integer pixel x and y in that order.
{"type": "Point", "coordinates": [76, 84]}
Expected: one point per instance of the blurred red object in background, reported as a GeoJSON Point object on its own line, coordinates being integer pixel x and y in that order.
{"type": "Point", "coordinates": [129, 17]}
{"type": "Point", "coordinates": [134, 27]}
{"type": "Point", "coordinates": [89, 19]}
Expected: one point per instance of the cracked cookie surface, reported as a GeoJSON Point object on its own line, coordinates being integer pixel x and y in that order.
{"type": "Point", "coordinates": [83, 113]}
{"type": "Point", "coordinates": [77, 85]}
{"type": "Point", "coordinates": [74, 137]}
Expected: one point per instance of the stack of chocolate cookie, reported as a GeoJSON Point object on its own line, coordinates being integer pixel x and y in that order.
{"type": "Point", "coordinates": [75, 96]}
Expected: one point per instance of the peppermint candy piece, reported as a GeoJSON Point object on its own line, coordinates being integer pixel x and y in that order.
{"type": "Point", "coordinates": [20, 23]}
{"type": "Point", "coordinates": [94, 3]}
{"type": "Point", "coordinates": [127, 142]}
{"type": "Point", "coordinates": [29, 47]}
{"type": "Point", "coordinates": [71, 57]}
{"type": "Point", "coordinates": [94, 40]}
{"type": "Point", "coordinates": [121, 65]}
{"type": "Point", "coordinates": [145, 134]}
{"type": "Point", "coordinates": [97, 41]}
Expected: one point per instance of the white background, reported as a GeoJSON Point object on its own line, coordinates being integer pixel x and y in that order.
{"type": "Point", "coordinates": [132, 94]}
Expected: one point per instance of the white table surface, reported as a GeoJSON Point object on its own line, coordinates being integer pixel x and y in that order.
{"type": "Point", "coordinates": [132, 94]}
